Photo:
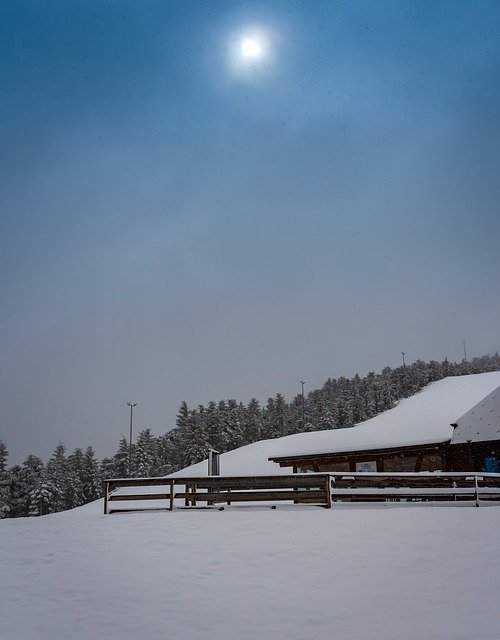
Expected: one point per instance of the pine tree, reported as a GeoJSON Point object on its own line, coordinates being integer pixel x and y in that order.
{"type": "Point", "coordinates": [196, 443]}
{"type": "Point", "coordinates": [44, 499]}
{"type": "Point", "coordinates": [120, 466]}
{"type": "Point", "coordinates": [91, 480]}
{"type": "Point", "coordinates": [213, 426]}
{"type": "Point", "coordinates": [75, 495]}
{"type": "Point", "coordinates": [4, 454]}
{"type": "Point", "coordinates": [23, 480]}
{"type": "Point", "coordinates": [146, 451]}
{"type": "Point", "coordinates": [252, 422]}
{"type": "Point", "coordinates": [168, 452]}
{"type": "Point", "coordinates": [4, 482]}
{"type": "Point", "coordinates": [61, 479]}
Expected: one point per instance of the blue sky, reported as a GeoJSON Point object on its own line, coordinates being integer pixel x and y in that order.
{"type": "Point", "coordinates": [177, 225]}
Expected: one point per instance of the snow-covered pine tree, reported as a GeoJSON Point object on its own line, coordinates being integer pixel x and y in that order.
{"type": "Point", "coordinates": [232, 426]}
{"type": "Point", "coordinates": [182, 416]}
{"type": "Point", "coordinates": [23, 480]}
{"type": "Point", "coordinates": [120, 467]}
{"type": "Point", "coordinates": [213, 426]}
{"type": "Point", "coordinates": [275, 418]}
{"type": "Point", "coordinates": [196, 444]}
{"type": "Point", "coordinates": [91, 479]}
{"type": "Point", "coordinates": [252, 422]}
{"type": "Point", "coordinates": [75, 496]}
{"type": "Point", "coordinates": [44, 499]}
{"type": "Point", "coordinates": [60, 477]}
{"type": "Point", "coordinates": [146, 453]}
{"type": "Point", "coordinates": [168, 452]}
{"type": "Point", "coordinates": [4, 482]}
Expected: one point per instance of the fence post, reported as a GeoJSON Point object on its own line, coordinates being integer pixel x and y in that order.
{"type": "Point", "coordinates": [328, 492]}
{"type": "Point", "coordinates": [171, 507]}
{"type": "Point", "coordinates": [106, 490]}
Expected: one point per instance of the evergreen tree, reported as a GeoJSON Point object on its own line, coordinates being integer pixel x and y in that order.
{"type": "Point", "coordinates": [4, 454]}
{"type": "Point", "coordinates": [75, 495]}
{"type": "Point", "coordinates": [60, 478]}
{"type": "Point", "coordinates": [91, 479]}
{"type": "Point", "coordinates": [196, 444]}
{"type": "Point", "coordinates": [213, 429]}
{"type": "Point", "coordinates": [4, 482]}
{"type": "Point", "coordinates": [252, 422]}
{"type": "Point", "coordinates": [120, 465]}
{"type": "Point", "coordinates": [23, 480]}
{"type": "Point", "coordinates": [44, 499]}
{"type": "Point", "coordinates": [146, 451]}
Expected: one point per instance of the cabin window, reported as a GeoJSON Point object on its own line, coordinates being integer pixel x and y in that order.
{"type": "Point", "coordinates": [369, 466]}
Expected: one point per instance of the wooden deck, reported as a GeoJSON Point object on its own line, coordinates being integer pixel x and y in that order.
{"type": "Point", "coordinates": [303, 488]}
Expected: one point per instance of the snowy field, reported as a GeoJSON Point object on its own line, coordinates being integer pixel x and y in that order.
{"type": "Point", "coordinates": [297, 573]}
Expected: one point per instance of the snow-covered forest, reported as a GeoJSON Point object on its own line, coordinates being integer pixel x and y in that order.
{"type": "Point", "coordinates": [70, 480]}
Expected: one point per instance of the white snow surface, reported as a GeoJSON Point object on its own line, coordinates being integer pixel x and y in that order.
{"type": "Point", "coordinates": [481, 423]}
{"type": "Point", "coordinates": [248, 573]}
{"type": "Point", "coordinates": [423, 418]}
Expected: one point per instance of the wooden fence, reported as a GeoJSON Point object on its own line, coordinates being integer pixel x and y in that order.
{"type": "Point", "coordinates": [415, 487]}
{"type": "Point", "coordinates": [304, 488]}
{"type": "Point", "coordinates": [298, 488]}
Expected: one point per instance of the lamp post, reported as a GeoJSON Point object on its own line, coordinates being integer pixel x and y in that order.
{"type": "Point", "coordinates": [303, 407]}
{"type": "Point", "coordinates": [131, 405]}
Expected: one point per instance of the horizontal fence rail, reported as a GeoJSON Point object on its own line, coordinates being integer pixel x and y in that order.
{"type": "Point", "coordinates": [303, 488]}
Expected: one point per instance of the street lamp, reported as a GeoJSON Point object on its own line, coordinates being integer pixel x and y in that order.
{"type": "Point", "coordinates": [303, 407]}
{"type": "Point", "coordinates": [131, 405]}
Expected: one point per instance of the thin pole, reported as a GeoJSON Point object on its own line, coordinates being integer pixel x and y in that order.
{"type": "Point", "coordinates": [303, 407]}
{"type": "Point", "coordinates": [131, 405]}
{"type": "Point", "coordinates": [465, 352]}
{"type": "Point", "coordinates": [404, 363]}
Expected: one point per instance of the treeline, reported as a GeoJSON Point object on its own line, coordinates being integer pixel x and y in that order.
{"type": "Point", "coordinates": [72, 480]}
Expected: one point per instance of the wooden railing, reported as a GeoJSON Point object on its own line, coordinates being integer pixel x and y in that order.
{"type": "Point", "coordinates": [298, 488]}
{"type": "Point", "coordinates": [415, 487]}
{"type": "Point", "coordinates": [304, 488]}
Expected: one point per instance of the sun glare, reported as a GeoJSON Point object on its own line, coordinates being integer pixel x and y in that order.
{"type": "Point", "coordinates": [250, 49]}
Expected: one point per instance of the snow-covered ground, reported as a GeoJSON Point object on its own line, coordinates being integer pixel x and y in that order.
{"type": "Point", "coordinates": [297, 573]}
{"type": "Point", "coordinates": [382, 572]}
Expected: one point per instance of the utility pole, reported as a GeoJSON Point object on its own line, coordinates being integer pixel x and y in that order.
{"type": "Point", "coordinates": [303, 407]}
{"type": "Point", "coordinates": [465, 352]}
{"type": "Point", "coordinates": [131, 405]}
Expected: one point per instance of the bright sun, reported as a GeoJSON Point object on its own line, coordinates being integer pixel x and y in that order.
{"type": "Point", "coordinates": [250, 49]}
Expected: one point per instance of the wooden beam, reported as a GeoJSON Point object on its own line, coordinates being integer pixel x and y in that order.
{"type": "Point", "coordinates": [139, 496]}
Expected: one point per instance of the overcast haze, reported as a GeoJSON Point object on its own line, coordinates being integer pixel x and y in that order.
{"type": "Point", "coordinates": [180, 225]}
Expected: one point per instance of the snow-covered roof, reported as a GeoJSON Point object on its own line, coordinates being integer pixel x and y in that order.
{"type": "Point", "coordinates": [421, 419]}
{"type": "Point", "coordinates": [481, 423]}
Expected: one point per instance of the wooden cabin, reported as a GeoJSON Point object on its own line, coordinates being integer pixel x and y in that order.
{"type": "Point", "coordinates": [473, 446]}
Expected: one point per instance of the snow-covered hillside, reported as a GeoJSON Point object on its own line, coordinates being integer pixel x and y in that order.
{"type": "Point", "coordinates": [424, 417]}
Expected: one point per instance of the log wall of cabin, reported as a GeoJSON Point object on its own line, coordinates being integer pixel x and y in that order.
{"type": "Point", "coordinates": [432, 458]}
{"type": "Point", "coordinates": [445, 457]}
